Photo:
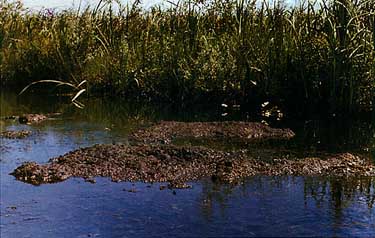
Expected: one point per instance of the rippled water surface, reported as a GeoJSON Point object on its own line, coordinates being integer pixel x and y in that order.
{"type": "Point", "coordinates": [260, 206]}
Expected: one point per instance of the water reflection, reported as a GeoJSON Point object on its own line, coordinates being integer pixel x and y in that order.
{"type": "Point", "coordinates": [336, 206]}
{"type": "Point", "coordinates": [119, 115]}
{"type": "Point", "coordinates": [260, 206]}
{"type": "Point", "coordinates": [338, 135]}
{"type": "Point", "coordinates": [339, 192]}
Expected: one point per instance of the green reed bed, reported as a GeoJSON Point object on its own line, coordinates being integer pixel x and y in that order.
{"type": "Point", "coordinates": [314, 55]}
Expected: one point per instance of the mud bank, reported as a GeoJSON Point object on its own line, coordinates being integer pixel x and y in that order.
{"type": "Point", "coordinates": [32, 118]}
{"type": "Point", "coordinates": [166, 131]}
{"type": "Point", "coordinates": [177, 165]}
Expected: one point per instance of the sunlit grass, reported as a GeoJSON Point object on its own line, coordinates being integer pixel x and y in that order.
{"type": "Point", "coordinates": [313, 55]}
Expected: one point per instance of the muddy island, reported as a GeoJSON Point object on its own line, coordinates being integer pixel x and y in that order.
{"type": "Point", "coordinates": [155, 159]}
{"type": "Point", "coordinates": [166, 131]}
{"type": "Point", "coordinates": [177, 165]}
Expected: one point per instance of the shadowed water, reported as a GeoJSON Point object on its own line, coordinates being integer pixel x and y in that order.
{"type": "Point", "coordinates": [260, 206]}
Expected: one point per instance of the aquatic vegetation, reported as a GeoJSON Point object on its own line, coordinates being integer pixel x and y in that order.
{"type": "Point", "coordinates": [314, 56]}
{"type": "Point", "coordinates": [60, 83]}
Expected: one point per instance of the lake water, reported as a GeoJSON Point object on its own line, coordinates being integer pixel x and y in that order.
{"type": "Point", "coordinates": [260, 206]}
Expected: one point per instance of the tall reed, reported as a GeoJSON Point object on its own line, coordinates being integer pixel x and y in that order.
{"type": "Point", "coordinates": [319, 54]}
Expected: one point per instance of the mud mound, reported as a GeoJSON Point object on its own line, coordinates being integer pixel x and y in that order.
{"type": "Point", "coordinates": [166, 163]}
{"type": "Point", "coordinates": [165, 131]}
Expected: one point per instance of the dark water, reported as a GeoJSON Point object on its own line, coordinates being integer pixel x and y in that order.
{"type": "Point", "coordinates": [261, 206]}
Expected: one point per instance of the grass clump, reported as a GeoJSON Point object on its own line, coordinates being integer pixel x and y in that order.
{"type": "Point", "coordinates": [314, 56]}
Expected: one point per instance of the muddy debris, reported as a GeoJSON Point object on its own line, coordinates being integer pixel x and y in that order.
{"type": "Point", "coordinates": [123, 163]}
{"type": "Point", "coordinates": [32, 118]}
{"type": "Point", "coordinates": [90, 180]}
{"type": "Point", "coordinates": [132, 190]}
{"type": "Point", "coordinates": [162, 187]}
{"type": "Point", "coordinates": [167, 131]}
{"type": "Point", "coordinates": [178, 185]}
{"type": "Point", "coordinates": [177, 165]}
{"type": "Point", "coordinates": [15, 134]}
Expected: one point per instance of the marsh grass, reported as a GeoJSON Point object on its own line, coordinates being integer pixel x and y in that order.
{"type": "Point", "coordinates": [315, 56]}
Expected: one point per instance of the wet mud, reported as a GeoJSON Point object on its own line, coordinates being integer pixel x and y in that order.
{"type": "Point", "coordinates": [32, 118]}
{"type": "Point", "coordinates": [15, 134]}
{"type": "Point", "coordinates": [152, 158]}
{"type": "Point", "coordinates": [179, 164]}
{"type": "Point", "coordinates": [167, 131]}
